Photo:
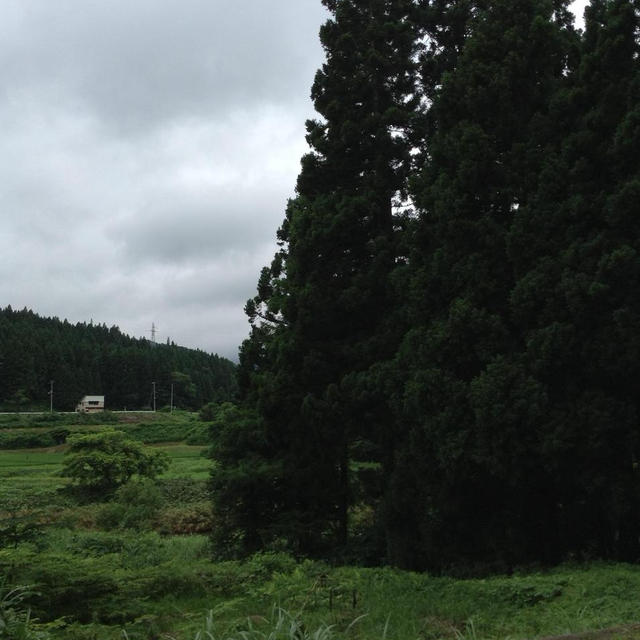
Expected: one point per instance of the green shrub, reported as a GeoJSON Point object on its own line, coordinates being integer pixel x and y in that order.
{"type": "Point", "coordinates": [183, 489]}
{"type": "Point", "coordinates": [15, 618]}
{"type": "Point", "coordinates": [100, 417]}
{"type": "Point", "coordinates": [10, 419]}
{"type": "Point", "coordinates": [26, 439]}
{"type": "Point", "coordinates": [60, 435]}
{"type": "Point", "coordinates": [67, 585]}
{"type": "Point", "coordinates": [199, 435]}
{"type": "Point", "coordinates": [134, 506]}
{"type": "Point", "coordinates": [127, 549]}
{"type": "Point", "coordinates": [47, 418]}
{"type": "Point", "coordinates": [189, 519]}
{"type": "Point", "coordinates": [31, 439]}
{"type": "Point", "coordinates": [94, 544]}
{"type": "Point", "coordinates": [157, 432]}
{"type": "Point", "coordinates": [18, 522]}
{"type": "Point", "coordinates": [210, 411]}
{"type": "Point", "coordinates": [101, 462]}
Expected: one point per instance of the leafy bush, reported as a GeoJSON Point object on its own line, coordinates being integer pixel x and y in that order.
{"type": "Point", "coordinates": [60, 435]}
{"type": "Point", "coordinates": [67, 585]}
{"type": "Point", "coordinates": [24, 439]}
{"type": "Point", "coordinates": [101, 462]}
{"type": "Point", "coordinates": [47, 418]}
{"type": "Point", "coordinates": [100, 417]}
{"type": "Point", "coordinates": [90, 544]}
{"type": "Point", "coordinates": [30, 439]}
{"type": "Point", "coordinates": [192, 518]}
{"type": "Point", "coordinates": [126, 549]}
{"type": "Point", "coordinates": [210, 411]}
{"type": "Point", "coordinates": [199, 435]}
{"type": "Point", "coordinates": [157, 432]}
{"type": "Point", "coordinates": [134, 506]}
{"type": "Point", "coordinates": [15, 619]}
{"type": "Point", "coordinates": [10, 419]}
{"type": "Point", "coordinates": [18, 522]}
{"type": "Point", "coordinates": [183, 489]}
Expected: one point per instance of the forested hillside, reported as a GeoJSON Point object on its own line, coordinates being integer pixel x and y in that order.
{"type": "Point", "coordinates": [444, 355]}
{"type": "Point", "coordinates": [87, 359]}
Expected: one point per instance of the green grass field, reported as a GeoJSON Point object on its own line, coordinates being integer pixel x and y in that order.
{"type": "Point", "coordinates": [35, 473]}
{"type": "Point", "coordinates": [140, 568]}
{"type": "Point", "coordinates": [46, 464]}
{"type": "Point", "coordinates": [186, 460]}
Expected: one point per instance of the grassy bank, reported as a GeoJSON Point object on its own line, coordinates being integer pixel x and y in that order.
{"type": "Point", "coordinates": [96, 585]}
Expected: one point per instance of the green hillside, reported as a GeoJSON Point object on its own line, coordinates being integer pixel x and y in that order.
{"type": "Point", "coordinates": [87, 359]}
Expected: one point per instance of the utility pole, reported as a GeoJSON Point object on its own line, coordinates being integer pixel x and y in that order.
{"type": "Point", "coordinates": [154, 396]}
{"type": "Point", "coordinates": [171, 401]}
{"type": "Point", "coordinates": [50, 396]}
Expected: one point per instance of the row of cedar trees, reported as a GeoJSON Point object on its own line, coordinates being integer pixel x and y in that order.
{"type": "Point", "coordinates": [456, 297]}
{"type": "Point", "coordinates": [87, 359]}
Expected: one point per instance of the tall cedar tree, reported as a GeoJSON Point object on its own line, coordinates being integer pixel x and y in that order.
{"type": "Point", "coordinates": [468, 410]}
{"type": "Point", "coordinates": [324, 308]}
{"type": "Point", "coordinates": [507, 420]}
{"type": "Point", "coordinates": [575, 250]}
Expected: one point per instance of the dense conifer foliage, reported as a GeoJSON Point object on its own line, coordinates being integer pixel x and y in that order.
{"type": "Point", "coordinates": [87, 359]}
{"type": "Point", "coordinates": [455, 301]}
{"type": "Point", "coordinates": [459, 355]}
{"type": "Point", "coordinates": [317, 317]}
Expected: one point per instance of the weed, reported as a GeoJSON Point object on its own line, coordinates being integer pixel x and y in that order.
{"type": "Point", "coordinates": [281, 625]}
{"type": "Point", "coordinates": [15, 618]}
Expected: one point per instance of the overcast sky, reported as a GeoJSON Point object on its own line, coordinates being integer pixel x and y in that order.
{"type": "Point", "coordinates": [148, 149]}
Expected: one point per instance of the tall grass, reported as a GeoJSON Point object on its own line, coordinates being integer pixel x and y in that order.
{"type": "Point", "coordinates": [15, 617]}
{"type": "Point", "coordinates": [281, 625]}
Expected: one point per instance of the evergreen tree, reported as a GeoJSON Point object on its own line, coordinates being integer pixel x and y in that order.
{"type": "Point", "coordinates": [575, 250]}
{"type": "Point", "coordinates": [455, 492]}
{"type": "Point", "coordinates": [245, 482]}
{"type": "Point", "coordinates": [324, 308]}
{"type": "Point", "coordinates": [484, 351]}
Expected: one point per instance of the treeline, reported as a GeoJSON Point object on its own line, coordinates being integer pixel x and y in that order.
{"type": "Point", "coordinates": [455, 304]}
{"type": "Point", "coordinates": [87, 359]}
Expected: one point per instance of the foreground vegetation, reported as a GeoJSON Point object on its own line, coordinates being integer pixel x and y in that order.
{"type": "Point", "coordinates": [94, 584]}
{"type": "Point", "coordinates": [139, 562]}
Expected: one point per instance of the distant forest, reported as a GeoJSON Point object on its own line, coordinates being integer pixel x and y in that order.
{"type": "Point", "coordinates": [87, 359]}
{"type": "Point", "coordinates": [443, 370]}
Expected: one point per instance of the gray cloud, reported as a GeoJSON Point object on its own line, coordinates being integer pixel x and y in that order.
{"type": "Point", "coordinates": [140, 64]}
{"type": "Point", "coordinates": [148, 152]}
